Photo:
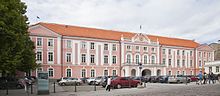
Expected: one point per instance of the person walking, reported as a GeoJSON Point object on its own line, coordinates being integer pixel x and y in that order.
{"type": "Point", "coordinates": [205, 76]}
{"type": "Point", "coordinates": [213, 77]}
{"type": "Point", "coordinates": [108, 84]}
{"type": "Point", "coordinates": [200, 78]}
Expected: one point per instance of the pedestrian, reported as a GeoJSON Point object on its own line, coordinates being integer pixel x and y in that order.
{"type": "Point", "coordinates": [213, 77]}
{"type": "Point", "coordinates": [205, 76]}
{"type": "Point", "coordinates": [209, 77]}
{"type": "Point", "coordinates": [200, 78]}
{"type": "Point", "coordinates": [108, 84]}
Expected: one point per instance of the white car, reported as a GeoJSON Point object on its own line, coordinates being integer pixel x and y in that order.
{"type": "Point", "coordinates": [91, 80]}
{"type": "Point", "coordinates": [70, 81]}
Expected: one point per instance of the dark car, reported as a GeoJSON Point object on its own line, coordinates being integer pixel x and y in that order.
{"type": "Point", "coordinates": [140, 78]}
{"type": "Point", "coordinates": [12, 83]}
{"type": "Point", "coordinates": [154, 79]}
{"type": "Point", "coordinates": [84, 79]}
{"type": "Point", "coordinates": [120, 82]}
{"type": "Point", "coordinates": [163, 79]}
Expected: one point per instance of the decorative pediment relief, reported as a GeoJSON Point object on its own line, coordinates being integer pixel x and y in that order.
{"type": "Point", "coordinates": [42, 31]}
{"type": "Point", "coordinates": [139, 37]}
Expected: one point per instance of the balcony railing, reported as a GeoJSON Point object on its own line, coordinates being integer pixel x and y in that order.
{"type": "Point", "coordinates": [145, 65]}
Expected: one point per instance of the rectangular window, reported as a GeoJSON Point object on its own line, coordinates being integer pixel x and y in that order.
{"type": "Point", "coordinates": [169, 73]}
{"type": "Point", "coordinates": [183, 53]}
{"type": "Point", "coordinates": [106, 59]}
{"type": "Point", "coordinates": [200, 64]}
{"type": "Point", "coordinates": [105, 72]}
{"type": "Point", "coordinates": [169, 62]}
{"type": "Point", "coordinates": [137, 48]}
{"type": "Point", "coordinates": [183, 62]}
{"type": "Point", "coordinates": [217, 68]}
{"type": "Point", "coordinates": [114, 73]}
{"type": "Point", "coordinates": [145, 49]}
{"type": "Point", "coordinates": [92, 74]}
{"type": "Point", "coordinates": [152, 49]}
{"type": "Point", "coordinates": [50, 72]}
{"type": "Point", "coordinates": [164, 51]}
{"type": "Point", "coordinates": [128, 47]}
{"type": "Point", "coordinates": [50, 56]}
{"type": "Point", "coordinates": [83, 45]}
{"type": "Point", "coordinates": [83, 74]}
{"type": "Point", "coordinates": [105, 46]}
{"type": "Point", "coordinates": [210, 69]}
{"type": "Point", "coordinates": [113, 59]}
{"type": "Point", "coordinates": [191, 53]}
{"type": "Point", "coordinates": [92, 59]}
{"type": "Point", "coordinates": [164, 60]}
{"type": "Point", "coordinates": [40, 69]}
{"type": "Point", "coordinates": [39, 56]}
{"type": "Point", "coordinates": [68, 72]}
{"type": "Point", "coordinates": [178, 52]}
{"type": "Point", "coordinates": [83, 59]}
{"type": "Point", "coordinates": [68, 57]}
{"type": "Point", "coordinates": [114, 48]}
{"type": "Point", "coordinates": [39, 41]}
{"type": "Point", "coordinates": [200, 54]}
{"type": "Point", "coordinates": [50, 42]}
{"type": "Point", "coordinates": [169, 51]}
{"type": "Point", "coordinates": [178, 62]}
{"type": "Point", "coordinates": [92, 45]}
{"type": "Point", "coordinates": [191, 63]}
{"type": "Point", "coordinates": [68, 44]}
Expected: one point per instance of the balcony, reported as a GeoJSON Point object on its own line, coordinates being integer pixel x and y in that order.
{"type": "Point", "coordinates": [144, 65]}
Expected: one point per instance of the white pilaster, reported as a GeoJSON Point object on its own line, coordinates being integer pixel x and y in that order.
{"type": "Point", "coordinates": [73, 52]}
{"type": "Point", "coordinates": [59, 50]}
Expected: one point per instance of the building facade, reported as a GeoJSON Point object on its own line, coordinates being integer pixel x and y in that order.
{"type": "Point", "coordinates": [71, 51]}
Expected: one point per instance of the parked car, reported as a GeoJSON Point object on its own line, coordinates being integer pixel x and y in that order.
{"type": "Point", "coordinates": [91, 80]}
{"type": "Point", "coordinates": [11, 83]}
{"type": "Point", "coordinates": [140, 78]}
{"type": "Point", "coordinates": [193, 78]}
{"type": "Point", "coordinates": [154, 79]}
{"type": "Point", "coordinates": [178, 79]}
{"type": "Point", "coordinates": [120, 82]}
{"type": "Point", "coordinates": [62, 78]}
{"type": "Point", "coordinates": [70, 81]}
{"type": "Point", "coordinates": [84, 79]}
{"type": "Point", "coordinates": [163, 79]}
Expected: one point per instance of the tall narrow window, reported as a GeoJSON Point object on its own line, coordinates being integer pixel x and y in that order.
{"type": "Point", "coordinates": [92, 58]}
{"type": "Point", "coordinates": [114, 48]}
{"type": "Point", "coordinates": [169, 51]}
{"type": "Point", "coordinates": [114, 73]}
{"type": "Point", "coordinates": [200, 64]}
{"type": "Point", "coordinates": [39, 41]}
{"type": "Point", "coordinates": [128, 47]}
{"type": "Point", "coordinates": [105, 46]}
{"type": "Point", "coordinates": [92, 74]}
{"type": "Point", "coordinates": [191, 53]}
{"type": "Point", "coordinates": [83, 45]}
{"type": "Point", "coordinates": [178, 52]}
{"type": "Point", "coordinates": [50, 42]}
{"type": "Point", "coordinates": [137, 59]}
{"type": "Point", "coordinates": [183, 53]}
{"type": "Point", "coordinates": [105, 72]}
{"type": "Point", "coordinates": [83, 74]}
{"type": "Point", "coordinates": [183, 62]}
{"type": "Point", "coordinates": [217, 69]}
{"type": "Point", "coordinates": [152, 49]}
{"type": "Point", "coordinates": [169, 62]}
{"type": "Point", "coordinates": [137, 48]}
{"type": "Point", "coordinates": [178, 62]}
{"type": "Point", "coordinates": [145, 49]}
{"type": "Point", "coordinates": [152, 59]}
{"type": "Point", "coordinates": [106, 59]}
{"type": "Point", "coordinates": [164, 51]}
{"type": "Point", "coordinates": [113, 59]}
{"type": "Point", "coordinates": [50, 56]}
{"type": "Point", "coordinates": [145, 59]}
{"type": "Point", "coordinates": [68, 72]}
{"type": "Point", "coordinates": [68, 44]}
{"type": "Point", "coordinates": [39, 56]}
{"type": "Point", "coordinates": [83, 59]}
{"type": "Point", "coordinates": [68, 57]}
{"type": "Point", "coordinates": [164, 60]}
{"type": "Point", "coordinates": [191, 63]}
{"type": "Point", "coordinates": [50, 72]}
{"type": "Point", "coordinates": [92, 45]}
{"type": "Point", "coordinates": [128, 58]}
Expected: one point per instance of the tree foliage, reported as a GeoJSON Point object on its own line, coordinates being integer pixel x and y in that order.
{"type": "Point", "coordinates": [16, 48]}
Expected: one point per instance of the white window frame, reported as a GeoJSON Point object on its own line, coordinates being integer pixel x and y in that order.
{"type": "Point", "coordinates": [129, 59]}
{"type": "Point", "coordinates": [104, 72]}
{"type": "Point", "coordinates": [114, 61]}
{"type": "Point", "coordinates": [67, 72]}
{"type": "Point", "coordinates": [49, 58]}
{"type": "Point", "coordinates": [153, 60]}
{"type": "Point", "coordinates": [51, 44]}
{"type": "Point", "coordinates": [37, 56]}
{"type": "Point", "coordinates": [105, 59]}
{"type": "Point", "coordinates": [137, 59]}
{"type": "Point", "coordinates": [137, 47]}
{"type": "Point", "coordinates": [40, 42]}
{"type": "Point", "coordinates": [114, 47]}
{"type": "Point", "coordinates": [106, 47]}
{"type": "Point", "coordinates": [70, 58]}
{"type": "Point", "coordinates": [113, 72]}
{"type": "Point", "coordinates": [83, 58]}
{"type": "Point", "coordinates": [68, 43]}
{"type": "Point", "coordinates": [128, 47]}
{"type": "Point", "coordinates": [92, 59]}
{"type": "Point", "coordinates": [83, 45]}
{"type": "Point", "coordinates": [145, 50]}
{"type": "Point", "coordinates": [49, 72]}
{"type": "Point", "coordinates": [92, 45]}
{"type": "Point", "coordinates": [82, 73]}
{"type": "Point", "coordinates": [144, 59]}
{"type": "Point", "coordinates": [92, 74]}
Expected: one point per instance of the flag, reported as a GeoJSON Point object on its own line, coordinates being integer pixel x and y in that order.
{"type": "Point", "coordinates": [38, 17]}
{"type": "Point", "coordinates": [140, 26]}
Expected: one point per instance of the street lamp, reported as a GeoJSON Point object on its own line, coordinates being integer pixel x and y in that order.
{"type": "Point", "coordinates": [140, 67]}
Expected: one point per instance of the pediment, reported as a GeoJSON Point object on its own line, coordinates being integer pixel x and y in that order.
{"type": "Point", "coordinates": [139, 37]}
{"type": "Point", "coordinates": [40, 30]}
{"type": "Point", "coordinates": [205, 47]}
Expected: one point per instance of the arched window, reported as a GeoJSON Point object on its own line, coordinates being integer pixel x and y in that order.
{"type": "Point", "coordinates": [50, 72]}
{"type": "Point", "coordinates": [128, 58]}
{"type": "Point", "coordinates": [152, 59]}
{"type": "Point", "coordinates": [137, 59]}
{"type": "Point", "coordinates": [145, 59]}
{"type": "Point", "coordinates": [68, 72]}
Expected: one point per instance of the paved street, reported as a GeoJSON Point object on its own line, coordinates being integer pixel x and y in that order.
{"type": "Point", "coordinates": [152, 89]}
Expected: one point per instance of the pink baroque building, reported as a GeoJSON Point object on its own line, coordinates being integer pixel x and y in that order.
{"type": "Point", "coordinates": [71, 51]}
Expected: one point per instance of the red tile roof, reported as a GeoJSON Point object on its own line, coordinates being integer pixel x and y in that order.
{"type": "Point", "coordinates": [69, 30]}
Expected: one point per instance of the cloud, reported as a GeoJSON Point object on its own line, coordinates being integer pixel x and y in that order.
{"type": "Point", "coordinates": [190, 19]}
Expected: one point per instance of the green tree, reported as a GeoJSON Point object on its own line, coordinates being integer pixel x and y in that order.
{"type": "Point", "coordinates": [16, 48]}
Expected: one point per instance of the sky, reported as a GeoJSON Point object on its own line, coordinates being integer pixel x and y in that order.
{"type": "Point", "coordinates": [197, 20]}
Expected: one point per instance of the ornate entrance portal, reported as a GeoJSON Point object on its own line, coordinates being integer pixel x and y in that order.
{"type": "Point", "coordinates": [146, 72]}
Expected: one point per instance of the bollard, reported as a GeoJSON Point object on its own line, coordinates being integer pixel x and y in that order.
{"type": "Point", "coordinates": [31, 89]}
{"type": "Point", "coordinates": [94, 86]}
{"type": "Point", "coordinates": [6, 87]}
{"type": "Point", "coordinates": [75, 86]}
{"type": "Point", "coordinates": [186, 80]}
{"type": "Point", "coordinates": [54, 87]}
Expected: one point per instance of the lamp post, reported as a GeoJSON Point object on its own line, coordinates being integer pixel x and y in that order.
{"type": "Point", "coordinates": [140, 67]}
